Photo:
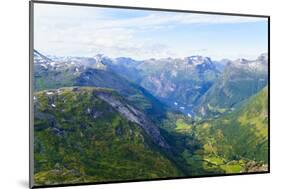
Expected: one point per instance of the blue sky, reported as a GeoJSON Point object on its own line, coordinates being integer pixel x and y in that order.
{"type": "Point", "coordinates": [86, 31]}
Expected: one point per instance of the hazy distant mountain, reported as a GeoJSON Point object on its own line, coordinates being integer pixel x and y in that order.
{"type": "Point", "coordinates": [188, 84]}
{"type": "Point", "coordinates": [221, 64]}
{"type": "Point", "coordinates": [40, 58]}
{"type": "Point", "coordinates": [179, 82]}
{"type": "Point", "coordinates": [94, 72]}
{"type": "Point", "coordinates": [240, 79]}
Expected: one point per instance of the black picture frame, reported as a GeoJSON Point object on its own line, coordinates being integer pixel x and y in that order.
{"type": "Point", "coordinates": [31, 45]}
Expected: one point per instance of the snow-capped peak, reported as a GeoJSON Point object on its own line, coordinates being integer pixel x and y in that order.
{"type": "Point", "coordinates": [40, 58]}
{"type": "Point", "coordinates": [260, 64]}
{"type": "Point", "coordinates": [98, 57]}
{"type": "Point", "coordinates": [263, 57]}
{"type": "Point", "coordinates": [196, 60]}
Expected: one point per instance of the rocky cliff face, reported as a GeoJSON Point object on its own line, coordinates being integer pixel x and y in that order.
{"type": "Point", "coordinates": [86, 134]}
{"type": "Point", "coordinates": [136, 116]}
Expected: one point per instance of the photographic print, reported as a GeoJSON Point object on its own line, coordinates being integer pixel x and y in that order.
{"type": "Point", "coordinates": [133, 94]}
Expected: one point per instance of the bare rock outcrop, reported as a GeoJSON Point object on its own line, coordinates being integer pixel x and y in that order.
{"type": "Point", "coordinates": [134, 115]}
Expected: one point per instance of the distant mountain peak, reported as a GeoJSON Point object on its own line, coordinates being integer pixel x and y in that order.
{"type": "Point", "coordinates": [195, 60]}
{"type": "Point", "coordinates": [260, 63]}
{"type": "Point", "coordinates": [263, 57]}
{"type": "Point", "coordinates": [99, 57]}
{"type": "Point", "coordinates": [124, 60]}
{"type": "Point", "coordinates": [242, 61]}
{"type": "Point", "coordinates": [40, 58]}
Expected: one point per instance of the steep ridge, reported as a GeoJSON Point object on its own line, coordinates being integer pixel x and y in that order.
{"type": "Point", "coordinates": [135, 116]}
{"type": "Point", "coordinates": [178, 82]}
{"type": "Point", "coordinates": [89, 72]}
{"type": "Point", "coordinates": [85, 134]}
{"type": "Point", "coordinates": [232, 143]}
{"type": "Point", "coordinates": [240, 80]}
{"type": "Point", "coordinates": [238, 141]}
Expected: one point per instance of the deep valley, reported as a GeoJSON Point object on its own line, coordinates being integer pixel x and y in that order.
{"type": "Point", "coordinates": [101, 119]}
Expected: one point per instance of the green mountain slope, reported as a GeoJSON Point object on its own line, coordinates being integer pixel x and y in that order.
{"type": "Point", "coordinates": [80, 137]}
{"type": "Point", "coordinates": [239, 81]}
{"type": "Point", "coordinates": [67, 75]}
{"type": "Point", "coordinates": [233, 143]}
{"type": "Point", "coordinates": [93, 124]}
{"type": "Point", "coordinates": [239, 140]}
{"type": "Point", "coordinates": [133, 93]}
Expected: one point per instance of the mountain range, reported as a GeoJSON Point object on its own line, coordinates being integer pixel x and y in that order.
{"type": "Point", "coordinates": [124, 119]}
{"type": "Point", "coordinates": [194, 85]}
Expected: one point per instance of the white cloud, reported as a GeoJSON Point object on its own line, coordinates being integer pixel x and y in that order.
{"type": "Point", "coordinates": [69, 30]}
